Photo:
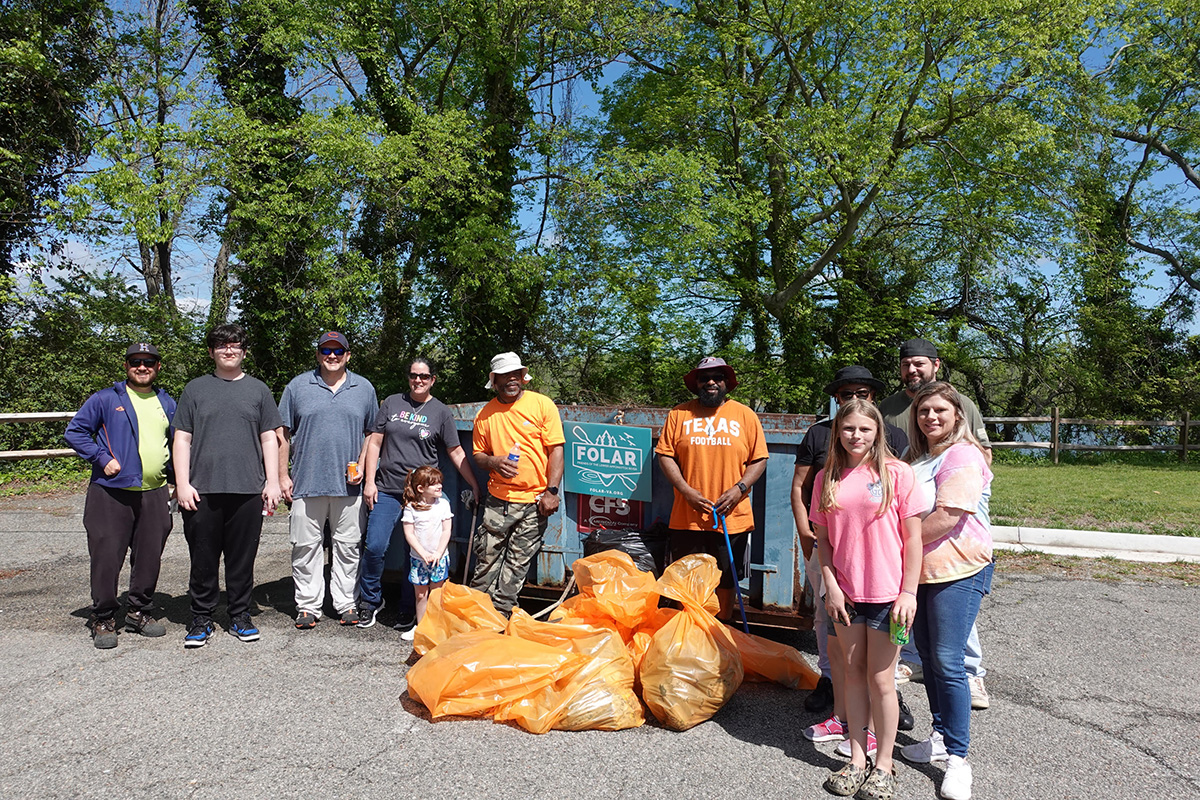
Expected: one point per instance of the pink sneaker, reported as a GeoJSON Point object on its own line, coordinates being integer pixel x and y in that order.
{"type": "Point", "coordinates": [843, 749]}
{"type": "Point", "coordinates": [831, 730]}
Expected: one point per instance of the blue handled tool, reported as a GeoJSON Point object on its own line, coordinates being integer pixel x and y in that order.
{"type": "Point", "coordinates": [719, 523]}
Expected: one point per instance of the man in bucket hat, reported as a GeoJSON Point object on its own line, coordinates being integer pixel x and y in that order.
{"type": "Point", "coordinates": [518, 440]}
{"type": "Point", "coordinates": [712, 450]}
{"type": "Point", "coordinates": [848, 383]}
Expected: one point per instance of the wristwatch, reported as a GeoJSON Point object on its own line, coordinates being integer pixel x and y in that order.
{"type": "Point", "coordinates": [553, 490]}
{"type": "Point", "coordinates": [743, 487]}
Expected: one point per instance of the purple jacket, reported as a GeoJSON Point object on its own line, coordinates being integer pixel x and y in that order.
{"type": "Point", "coordinates": [106, 428]}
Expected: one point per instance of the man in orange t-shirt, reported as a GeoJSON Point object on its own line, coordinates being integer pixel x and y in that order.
{"type": "Point", "coordinates": [518, 439]}
{"type": "Point", "coordinates": [712, 450]}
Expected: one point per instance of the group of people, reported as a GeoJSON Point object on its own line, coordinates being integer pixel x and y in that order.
{"type": "Point", "coordinates": [890, 502]}
{"type": "Point", "coordinates": [891, 506]}
{"type": "Point", "coordinates": [367, 471]}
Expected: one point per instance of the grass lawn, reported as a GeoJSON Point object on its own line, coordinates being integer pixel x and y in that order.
{"type": "Point", "coordinates": [1161, 497]}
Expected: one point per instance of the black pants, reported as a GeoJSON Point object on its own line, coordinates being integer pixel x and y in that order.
{"type": "Point", "coordinates": [228, 525]}
{"type": "Point", "coordinates": [119, 521]}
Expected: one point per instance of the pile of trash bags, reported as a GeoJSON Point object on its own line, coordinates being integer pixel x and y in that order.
{"type": "Point", "coordinates": [603, 652]}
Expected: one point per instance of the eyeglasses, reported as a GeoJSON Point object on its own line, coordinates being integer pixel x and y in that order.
{"type": "Point", "coordinates": [230, 346]}
{"type": "Point", "coordinates": [715, 377]}
{"type": "Point", "coordinates": [861, 394]}
{"type": "Point", "coordinates": [420, 376]}
{"type": "Point", "coordinates": [148, 363]}
{"type": "Point", "coordinates": [333, 351]}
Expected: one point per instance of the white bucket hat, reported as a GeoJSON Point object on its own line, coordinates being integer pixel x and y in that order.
{"type": "Point", "coordinates": [505, 362]}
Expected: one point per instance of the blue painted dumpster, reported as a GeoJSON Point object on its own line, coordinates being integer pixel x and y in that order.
{"type": "Point", "coordinates": [775, 591]}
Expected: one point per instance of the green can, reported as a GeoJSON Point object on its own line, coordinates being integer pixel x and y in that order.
{"type": "Point", "coordinates": [899, 634]}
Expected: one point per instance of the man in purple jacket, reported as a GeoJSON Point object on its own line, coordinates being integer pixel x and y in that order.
{"type": "Point", "coordinates": [125, 431]}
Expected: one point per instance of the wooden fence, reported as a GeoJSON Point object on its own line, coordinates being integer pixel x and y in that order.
{"type": "Point", "coordinates": [1055, 445]}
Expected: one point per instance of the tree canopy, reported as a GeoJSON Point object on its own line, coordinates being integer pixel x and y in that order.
{"type": "Point", "coordinates": [615, 190]}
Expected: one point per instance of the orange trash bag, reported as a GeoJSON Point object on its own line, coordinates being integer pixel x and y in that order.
{"type": "Point", "coordinates": [453, 609]}
{"type": "Point", "coordinates": [612, 593]}
{"type": "Point", "coordinates": [476, 672]}
{"type": "Point", "coordinates": [598, 695]}
{"type": "Point", "coordinates": [692, 666]}
{"type": "Point", "coordinates": [764, 660]}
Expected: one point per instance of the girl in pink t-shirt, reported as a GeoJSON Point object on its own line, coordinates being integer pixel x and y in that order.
{"type": "Point", "coordinates": [868, 529]}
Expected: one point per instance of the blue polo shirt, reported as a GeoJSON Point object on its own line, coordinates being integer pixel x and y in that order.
{"type": "Point", "coordinates": [327, 431]}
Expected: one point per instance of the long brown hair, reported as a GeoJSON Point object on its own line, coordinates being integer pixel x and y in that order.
{"type": "Point", "coordinates": [417, 480]}
{"type": "Point", "coordinates": [837, 459]}
{"type": "Point", "coordinates": [918, 444]}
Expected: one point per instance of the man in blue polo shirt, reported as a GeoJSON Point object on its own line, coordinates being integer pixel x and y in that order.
{"type": "Point", "coordinates": [124, 431]}
{"type": "Point", "coordinates": [326, 413]}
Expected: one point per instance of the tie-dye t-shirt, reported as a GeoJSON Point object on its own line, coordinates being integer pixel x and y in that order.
{"type": "Point", "coordinates": [958, 477]}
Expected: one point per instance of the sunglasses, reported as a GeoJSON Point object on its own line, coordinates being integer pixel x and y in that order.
{"type": "Point", "coordinates": [420, 376]}
{"type": "Point", "coordinates": [861, 394]}
{"type": "Point", "coordinates": [333, 351]}
{"type": "Point", "coordinates": [715, 377]}
{"type": "Point", "coordinates": [148, 363]}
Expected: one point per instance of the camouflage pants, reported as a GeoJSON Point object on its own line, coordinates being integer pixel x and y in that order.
{"type": "Point", "coordinates": [506, 542]}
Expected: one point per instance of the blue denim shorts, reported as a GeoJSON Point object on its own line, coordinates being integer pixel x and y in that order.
{"type": "Point", "coordinates": [421, 574]}
{"type": "Point", "coordinates": [873, 615]}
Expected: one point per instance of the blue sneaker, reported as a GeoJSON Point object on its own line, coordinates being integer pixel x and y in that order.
{"type": "Point", "coordinates": [243, 628]}
{"type": "Point", "coordinates": [199, 633]}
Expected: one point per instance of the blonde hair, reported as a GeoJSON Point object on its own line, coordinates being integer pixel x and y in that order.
{"type": "Point", "coordinates": [918, 442]}
{"type": "Point", "coordinates": [837, 459]}
{"type": "Point", "coordinates": [417, 480]}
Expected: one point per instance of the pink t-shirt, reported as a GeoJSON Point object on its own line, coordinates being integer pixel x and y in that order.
{"type": "Point", "coordinates": [867, 546]}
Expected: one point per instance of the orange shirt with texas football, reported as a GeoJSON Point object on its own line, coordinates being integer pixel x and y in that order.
{"type": "Point", "coordinates": [713, 447]}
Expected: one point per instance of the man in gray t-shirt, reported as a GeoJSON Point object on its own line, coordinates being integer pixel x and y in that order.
{"type": "Point", "coordinates": [326, 413]}
{"type": "Point", "coordinates": [226, 458]}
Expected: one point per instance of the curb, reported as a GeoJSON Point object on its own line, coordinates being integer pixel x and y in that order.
{"type": "Point", "coordinates": [1091, 544]}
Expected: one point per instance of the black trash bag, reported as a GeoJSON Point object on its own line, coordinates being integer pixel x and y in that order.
{"type": "Point", "coordinates": [631, 543]}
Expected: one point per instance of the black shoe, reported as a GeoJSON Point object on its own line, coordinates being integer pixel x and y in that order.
{"type": "Point", "coordinates": [906, 718]}
{"type": "Point", "coordinates": [821, 697]}
{"type": "Point", "coordinates": [406, 623]}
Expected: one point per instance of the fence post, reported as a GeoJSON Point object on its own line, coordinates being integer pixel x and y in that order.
{"type": "Point", "coordinates": [1183, 436]}
{"type": "Point", "coordinates": [1054, 435]}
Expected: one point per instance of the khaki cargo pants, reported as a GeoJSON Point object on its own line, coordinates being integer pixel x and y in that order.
{"type": "Point", "coordinates": [506, 542]}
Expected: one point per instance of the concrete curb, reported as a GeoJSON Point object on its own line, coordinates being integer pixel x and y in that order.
{"type": "Point", "coordinates": [1094, 544]}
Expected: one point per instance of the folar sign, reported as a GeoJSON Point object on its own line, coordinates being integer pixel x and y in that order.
{"type": "Point", "coordinates": [608, 460]}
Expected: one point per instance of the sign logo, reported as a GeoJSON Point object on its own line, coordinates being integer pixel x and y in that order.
{"type": "Point", "coordinates": [608, 460]}
{"type": "Point", "coordinates": [610, 513]}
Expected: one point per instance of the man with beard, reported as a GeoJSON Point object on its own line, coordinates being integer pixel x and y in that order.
{"type": "Point", "coordinates": [712, 450]}
{"type": "Point", "coordinates": [124, 431]}
{"type": "Point", "coordinates": [919, 364]}
{"type": "Point", "coordinates": [518, 439]}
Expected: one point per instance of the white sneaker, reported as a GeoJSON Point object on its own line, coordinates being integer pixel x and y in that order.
{"type": "Point", "coordinates": [979, 695]}
{"type": "Point", "coordinates": [907, 671]}
{"type": "Point", "coordinates": [926, 752]}
{"type": "Point", "coordinates": [956, 785]}
{"type": "Point", "coordinates": [409, 634]}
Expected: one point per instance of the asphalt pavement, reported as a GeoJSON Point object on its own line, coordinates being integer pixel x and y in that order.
{"type": "Point", "coordinates": [1093, 688]}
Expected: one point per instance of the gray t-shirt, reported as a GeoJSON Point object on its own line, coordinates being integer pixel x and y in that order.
{"type": "Point", "coordinates": [895, 412]}
{"type": "Point", "coordinates": [412, 433]}
{"type": "Point", "coordinates": [327, 431]}
{"type": "Point", "coordinates": [225, 419]}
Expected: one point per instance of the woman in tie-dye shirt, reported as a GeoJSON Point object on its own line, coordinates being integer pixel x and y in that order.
{"type": "Point", "coordinates": [956, 571]}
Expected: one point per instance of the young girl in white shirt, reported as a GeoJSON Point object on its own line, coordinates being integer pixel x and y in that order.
{"type": "Point", "coordinates": [426, 521]}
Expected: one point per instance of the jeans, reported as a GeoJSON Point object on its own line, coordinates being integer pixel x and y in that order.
{"type": "Point", "coordinates": [382, 524]}
{"type": "Point", "coordinates": [945, 615]}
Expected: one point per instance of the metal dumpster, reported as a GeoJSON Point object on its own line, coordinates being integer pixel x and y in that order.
{"type": "Point", "coordinates": [775, 590]}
